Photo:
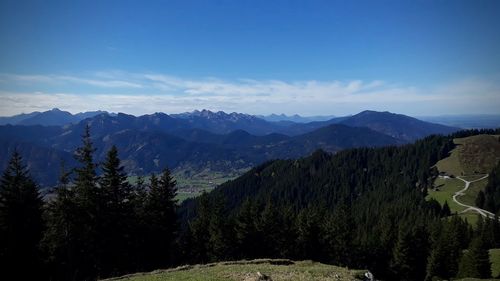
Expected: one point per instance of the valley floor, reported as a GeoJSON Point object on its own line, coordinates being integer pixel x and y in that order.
{"type": "Point", "coordinates": [191, 184]}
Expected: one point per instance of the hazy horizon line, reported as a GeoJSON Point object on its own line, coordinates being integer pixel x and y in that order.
{"type": "Point", "coordinates": [246, 113]}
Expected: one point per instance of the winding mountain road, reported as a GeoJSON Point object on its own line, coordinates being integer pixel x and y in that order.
{"type": "Point", "coordinates": [482, 212]}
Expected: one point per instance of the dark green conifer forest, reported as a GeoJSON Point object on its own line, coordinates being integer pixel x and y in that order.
{"type": "Point", "coordinates": [361, 208]}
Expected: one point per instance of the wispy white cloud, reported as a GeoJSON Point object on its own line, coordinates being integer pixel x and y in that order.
{"type": "Point", "coordinates": [65, 79]}
{"type": "Point", "coordinates": [140, 93]}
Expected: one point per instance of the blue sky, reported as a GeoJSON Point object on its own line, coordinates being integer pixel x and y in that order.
{"type": "Point", "coordinates": [306, 57]}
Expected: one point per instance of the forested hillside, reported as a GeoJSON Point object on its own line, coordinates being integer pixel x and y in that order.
{"type": "Point", "coordinates": [361, 208]}
{"type": "Point", "coordinates": [364, 208]}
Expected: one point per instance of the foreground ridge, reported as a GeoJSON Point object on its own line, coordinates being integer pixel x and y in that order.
{"type": "Point", "coordinates": [271, 269]}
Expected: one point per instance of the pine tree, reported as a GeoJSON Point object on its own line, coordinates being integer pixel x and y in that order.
{"type": "Point", "coordinates": [115, 189]}
{"type": "Point", "coordinates": [453, 236]}
{"type": "Point", "coordinates": [436, 265]}
{"type": "Point", "coordinates": [86, 176]}
{"type": "Point", "coordinates": [247, 235]}
{"type": "Point", "coordinates": [160, 211]}
{"type": "Point", "coordinates": [496, 232]}
{"type": "Point", "coordinates": [140, 189]}
{"type": "Point", "coordinates": [272, 231]}
{"type": "Point", "coordinates": [21, 222]}
{"type": "Point", "coordinates": [480, 199]}
{"type": "Point", "coordinates": [89, 204]}
{"type": "Point", "coordinates": [410, 251]}
{"type": "Point", "coordinates": [61, 239]}
{"type": "Point", "coordinates": [309, 233]}
{"type": "Point", "coordinates": [73, 239]}
{"type": "Point", "coordinates": [139, 196]}
{"type": "Point", "coordinates": [492, 190]}
{"type": "Point", "coordinates": [445, 254]}
{"type": "Point", "coordinates": [220, 232]}
{"type": "Point", "coordinates": [198, 231]}
{"type": "Point", "coordinates": [403, 262]}
{"type": "Point", "coordinates": [479, 231]}
{"type": "Point", "coordinates": [117, 214]}
{"type": "Point", "coordinates": [153, 182]}
{"type": "Point", "coordinates": [288, 232]}
{"type": "Point", "coordinates": [445, 211]}
{"type": "Point", "coordinates": [476, 261]}
{"type": "Point", "coordinates": [140, 225]}
{"type": "Point", "coordinates": [211, 234]}
{"type": "Point", "coordinates": [467, 267]}
{"type": "Point", "coordinates": [338, 236]}
{"type": "Point", "coordinates": [488, 233]}
{"type": "Point", "coordinates": [420, 248]}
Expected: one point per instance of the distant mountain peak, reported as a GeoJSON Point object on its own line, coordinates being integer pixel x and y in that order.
{"type": "Point", "coordinates": [156, 114]}
{"type": "Point", "coordinates": [52, 117]}
{"type": "Point", "coordinates": [296, 118]}
{"type": "Point", "coordinates": [200, 113]}
{"type": "Point", "coordinates": [396, 125]}
{"type": "Point", "coordinates": [365, 112]}
{"type": "Point", "coordinates": [205, 113]}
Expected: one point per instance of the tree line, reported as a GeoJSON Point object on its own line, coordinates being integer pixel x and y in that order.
{"type": "Point", "coordinates": [489, 199]}
{"type": "Point", "coordinates": [91, 227]}
{"type": "Point", "coordinates": [361, 208]}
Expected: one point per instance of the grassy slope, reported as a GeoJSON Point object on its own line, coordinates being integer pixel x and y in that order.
{"type": "Point", "coordinates": [476, 154]}
{"type": "Point", "coordinates": [247, 271]}
{"type": "Point", "coordinates": [444, 193]}
{"type": "Point", "coordinates": [473, 157]}
{"type": "Point", "coordinates": [451, 164]}
{"type": "Point", "coordinates": [471, 218]}
{"type": "Point", "coordinates": [445, 188]}
{"type": "Point", "coordinates": [470, 197]}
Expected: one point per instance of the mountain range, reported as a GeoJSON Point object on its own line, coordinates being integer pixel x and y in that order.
{"type": "Point", "coordinates": [295, 118]}
{"type": "Point", "coordinates": [53, 117]}
{"type": "Point", "coordinates": [199, 140]}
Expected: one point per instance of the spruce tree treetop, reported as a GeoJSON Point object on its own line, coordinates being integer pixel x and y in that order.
{"type": "Point", "coordinates": [153, 182]}
{"type": "Point", "coordinates": [162, 193]}
{"type": "Point", "coordinates": [476, 262]}
{"type": "Point", "coordinates": [114, 182]}
{"type": "Point", "coordinates": [446, 210]}
{"type": "Point", "coordinates": [140, 186]}
{"type": "Point", "coordinates": [86, 177]}
{"type": "Point", "coordinates": [160, 213]}
{"type": "Point", "coordinates": [117, 215]}
{"type": "Point", "coordinates": [168, 184]}
{"type": "Point", "coordinates": [17, 190]}
{"type": "Point", "coordinates": [21, 222]}
{"type": "Point", "coordinates": [86, 201]}
{"type": "Point", "coordinates": [246, 232]}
